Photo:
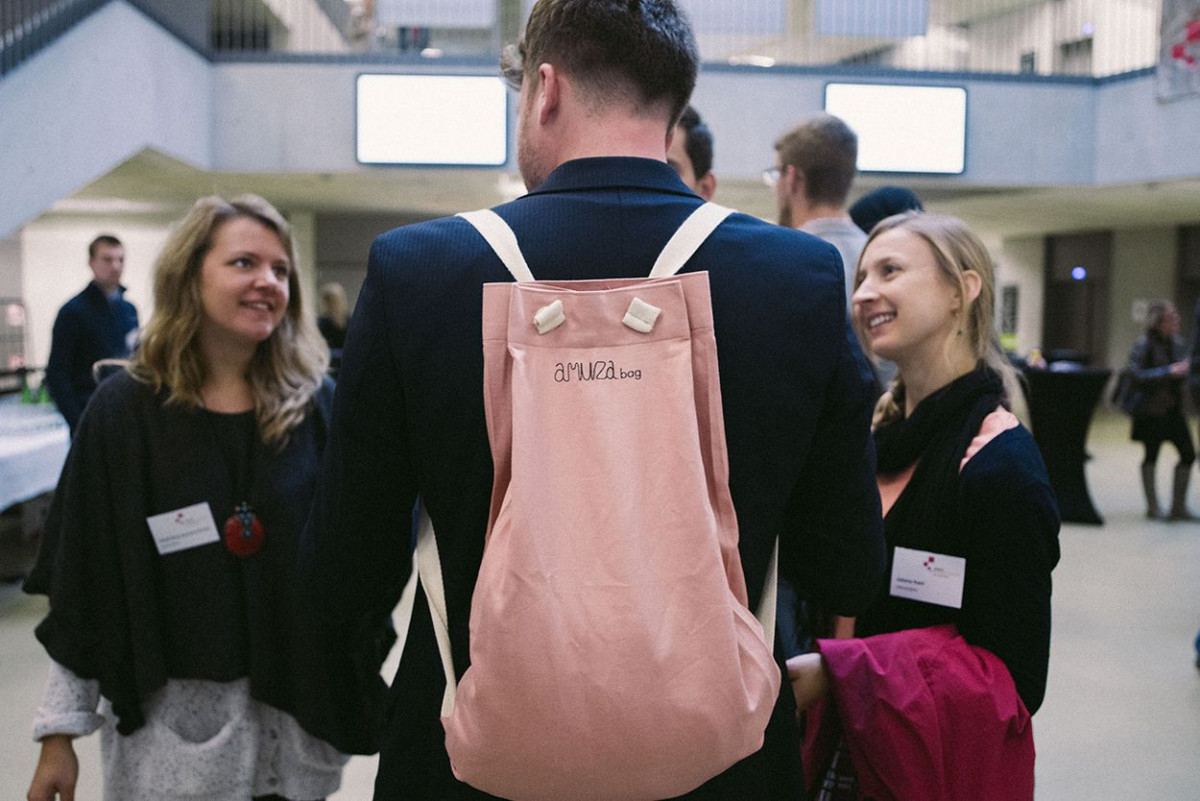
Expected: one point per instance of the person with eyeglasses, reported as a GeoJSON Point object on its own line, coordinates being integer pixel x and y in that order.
{"type": "Point", "coordinates": [815, 164]}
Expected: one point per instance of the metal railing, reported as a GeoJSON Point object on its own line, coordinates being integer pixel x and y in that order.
{"type": "Point", "coordinates": [26, 26]}
{"type": "Point", "coordinates": [1043, 37]}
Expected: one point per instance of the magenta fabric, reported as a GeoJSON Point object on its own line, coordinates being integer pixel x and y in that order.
{"type": "Point", "coordinates": [612, 652]}
{"type": "Point", "coordinates": [926, 716]}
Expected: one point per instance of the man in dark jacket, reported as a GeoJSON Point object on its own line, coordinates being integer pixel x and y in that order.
{"type": "Point", "coordinates": [96, 324]}
{"type": "Point", "coordinates": [601, 86]}
{"type": "Point", "coordinates": [691, 154]}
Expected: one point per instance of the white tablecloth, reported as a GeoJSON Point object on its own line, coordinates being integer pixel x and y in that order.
{"type": "Point", "coordinates": [33, 446]}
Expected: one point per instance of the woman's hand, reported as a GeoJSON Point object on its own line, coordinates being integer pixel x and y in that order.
{"type": "Point", "coordinates": [810, 680]}
{"type": "Point", "coordinates": [57, 771]}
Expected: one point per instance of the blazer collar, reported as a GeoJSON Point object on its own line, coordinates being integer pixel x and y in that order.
{"type": "Point", "coordinates": [613, 172]}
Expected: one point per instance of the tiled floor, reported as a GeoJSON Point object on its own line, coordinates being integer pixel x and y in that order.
{"type": "Point", "coordinates": [1122, 713]}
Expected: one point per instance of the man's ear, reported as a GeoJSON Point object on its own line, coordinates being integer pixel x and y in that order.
{"type": "Point", "coordinates": [793, 179]}
{"type": "Point", "coordinates": [706, 187]}
{"type": "Point", "coordinates": [549, 93]}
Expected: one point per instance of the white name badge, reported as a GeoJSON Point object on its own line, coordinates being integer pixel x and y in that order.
{"type": "Point", "coordinates": [931, 578]}
{"type": "Point", "coordinates": [183, 528]}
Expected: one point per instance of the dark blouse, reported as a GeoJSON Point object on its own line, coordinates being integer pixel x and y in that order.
{"type": "Point", "coordinates": [1007, 530]}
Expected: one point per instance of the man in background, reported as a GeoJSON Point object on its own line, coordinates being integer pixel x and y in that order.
{"type": "Point", "coordinates": [881, 203]}
{"type": "Point", "coordinates": [815, 164]}
{"type": "Point", "coordinates": [691, 154]}
{"type": "Point", "coordinates": [96, 324]}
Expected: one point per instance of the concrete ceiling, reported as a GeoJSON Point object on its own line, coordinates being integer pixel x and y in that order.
{"type": "Point", "coordinates": [154, 184]}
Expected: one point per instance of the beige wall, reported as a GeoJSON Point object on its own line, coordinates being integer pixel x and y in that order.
{"type": "Point", "coordinates": [1143, 269]}
{"type": "Point", "coordinates": [54, 267]}
{"type": "Point", "coordinates": [1019, 263]}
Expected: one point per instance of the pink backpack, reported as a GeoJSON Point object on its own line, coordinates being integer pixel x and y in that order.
{"type": "Point", "coordinates": [613, 655]}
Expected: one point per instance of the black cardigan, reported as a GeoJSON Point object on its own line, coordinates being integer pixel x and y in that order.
{"type": "Point", "coordinates": [1007, 529]}
{"type": "Point", "coordinates": [123, 614]}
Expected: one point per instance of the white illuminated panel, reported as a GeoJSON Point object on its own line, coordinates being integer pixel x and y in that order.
{"type": "Point", "coordinates": [431, 119]}
{"type": "Point", "coordinates": [900, 128]}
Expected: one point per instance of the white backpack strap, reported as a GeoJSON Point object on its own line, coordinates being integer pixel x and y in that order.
{"type": "Point", "coordinates": [688, 239]}
{"type": "Point", "coordinates": [770, 598]}
{"type": "Point", "coordinates": [429, 568]}
{"type": "Point", "coordinates": [502, 239]}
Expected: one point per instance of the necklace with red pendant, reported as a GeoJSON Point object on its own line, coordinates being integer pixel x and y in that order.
{"type": "Point", "coordinates": [243, 531]}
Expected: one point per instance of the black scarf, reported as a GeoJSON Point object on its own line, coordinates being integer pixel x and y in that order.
{"type": "Point", "coordinates": [925, 516]}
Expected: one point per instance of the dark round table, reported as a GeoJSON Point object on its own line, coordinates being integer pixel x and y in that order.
{"type": "Point", "coordinates": [1061, 402]}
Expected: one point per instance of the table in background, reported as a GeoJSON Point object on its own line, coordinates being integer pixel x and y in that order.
{"type": "Point", "coordinates": [1061, 402]}
{"type": "Point", "coordinates": [33, 447]}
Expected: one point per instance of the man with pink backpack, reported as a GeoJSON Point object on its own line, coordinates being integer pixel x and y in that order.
{"type": "Point", "coordinates": [623, 413]}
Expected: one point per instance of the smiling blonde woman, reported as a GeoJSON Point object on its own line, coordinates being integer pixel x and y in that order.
{"type": "Point", "coordinates": [169, 548]}
{"type": "Point", "coordinates": [959, 637]}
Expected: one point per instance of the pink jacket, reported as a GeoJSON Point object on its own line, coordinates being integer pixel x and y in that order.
{"type": "Point", "coordinates": [926, 717]}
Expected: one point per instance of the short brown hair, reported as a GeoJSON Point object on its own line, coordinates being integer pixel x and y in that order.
{"type": "Point", "coordinates": [616, 49]}
{"type": "Point", "coordinates": [108, 240]}
{"type": "Point", "coordinates": [825, 149]}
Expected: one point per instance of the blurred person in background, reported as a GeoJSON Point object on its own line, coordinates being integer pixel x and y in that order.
{"type": "Point", "coordinates": [814, 168]}
{"type": "Point", "coordinates": [691, 154]}
{"type": "Point", "coordinates": [333, 315]}
{"type": "Point", "coordinates": [96, 324]}
{"type": "Point", "coordinates": [815, 165]}
{"type": "Point", "coordinates": [1158, 363]}
{"type": "Point", "coordinates": [882, 203]}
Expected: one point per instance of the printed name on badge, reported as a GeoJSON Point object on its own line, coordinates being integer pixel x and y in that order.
{"type": "Point", "coordinates": [184, 528]}
{"type": "Point", "coordinates": [932, 578]}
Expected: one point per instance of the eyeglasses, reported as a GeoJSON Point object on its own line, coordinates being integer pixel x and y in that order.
{"type": "Point", "coordinates": [512, 67]}
{"type": "Point", "coordinates": [770, 176]}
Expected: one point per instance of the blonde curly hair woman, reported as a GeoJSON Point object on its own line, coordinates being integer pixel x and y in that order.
{"type": "Point", "coordinates": [169, 548]}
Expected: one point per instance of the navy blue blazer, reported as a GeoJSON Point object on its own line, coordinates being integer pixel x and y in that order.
{"type": "Point", "coordinates": [88, 328]}
{"type": "Point", "coordinates": [408, 416]}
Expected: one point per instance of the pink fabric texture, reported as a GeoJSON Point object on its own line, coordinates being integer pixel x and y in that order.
{"type": "Point", "coordinates": [613, 655]}
{"type": "Point", "coordinates": [927, 716]}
